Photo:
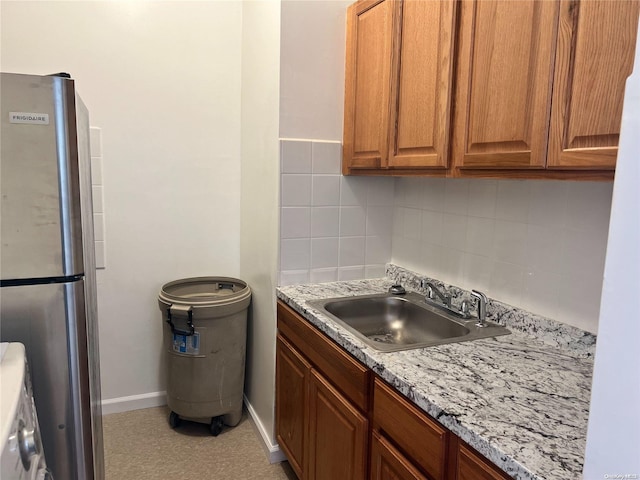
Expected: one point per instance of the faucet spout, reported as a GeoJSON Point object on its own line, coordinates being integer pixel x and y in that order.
{"type": "Point", "coordinates": [432, 289]}
{"type": "Point", "coordinates": [482, 307]}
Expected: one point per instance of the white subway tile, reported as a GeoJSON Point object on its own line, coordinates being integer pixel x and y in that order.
{"type": "Point", "coordinates": [350, 273]}
{"type": "Point", "coordinates": [589, 205]}
{"type": "Point", "coordinates": [98, 198]}
{"type": "Point", "coordinates": [353, 221]}
{"type": "Point", "coordinates": [432, 227]}
{"type": "Point", "coordinates": [579, 301]}
{"type": "Point", "coordinates": [296, 156]}
{"type": "Point", "coordinates": [377, 249]}
{"type": "Point", "coordinates": [482, 198]}
{"type": "Point", "coordinates": [95, 141]}
{"type": "Point", "coordinates": [434, 194]}
{"type": "Point", "coordinates": [583, 254]}
{"type": "Point", "coordinates": [326, 190]}
{"type": "Point", "coordinates": [295, 222]}
{"type": "Point", "coordinates": [412, 223]}
{"type": "Point", "coordinates": [510, 242]}
{"type": "Point", "coordinates": [548, 203]}
{"type": "Point", "coordinates": [326, 157]}
{"type": "Point", "coordinates": [414, 192]}
{"type": "Point", "coordinates": [477, 271]}
{"type": "Point", "coordinates": [541, 293]}
{"type": "Point", "coordinates": [295, 190]}
{"type": "Point", "coordinates": [379, 220]}
{"type": "Point", "coordinates": [456, 196]}
{"type": "Point", "coordinates": [324, 252]}
{"type": "Point", "coordinates": [454, 231]}
{"type": "Point", "coordinates": [325, 221]}
{"type": "Point", "coordinates": [322, 275]}
{"type": "Point", "coordinates": [452, 266]}
{"type": "Point", "coordinates": [98, 227]}
{"type": "Point", "coordinates": [96, 171]}
{"type": "Point", "coordinates": [294, 277]}
{"type": "Point", "coordinates": [480, 233]}
{"type": "Point", "coordinates": [351, 251]}
{"type": "Point", "coordinates": [101, 254]}
{"type": "Point", "coordinates": [374, 271]}
{"type": "Point", "coordinates": [353, 191]}
{"type": "Point", "coordinates": [512, 201]}
{"type": "Point", "coordinates": [380, 191]}
{"type": "Point", "coordinates": [544, 248]}
{"type": "Point", "coordinates": [295, 254]}
{"type": "Point", "coordinates": [506, 283]}
{"type": "Point", "coordinates": [431, 256]}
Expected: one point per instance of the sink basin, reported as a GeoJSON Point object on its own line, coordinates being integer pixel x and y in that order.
{"type": "Point", "coordinates": [400, 322]}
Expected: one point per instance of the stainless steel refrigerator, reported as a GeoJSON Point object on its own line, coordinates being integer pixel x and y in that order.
{"type": "Point", "coordinates": [47, 264]}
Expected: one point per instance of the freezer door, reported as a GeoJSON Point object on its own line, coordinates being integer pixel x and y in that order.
{"type": "Point", "coordinates": [50, 321]}
{"type": "Point", "coordinates": [39, 187]}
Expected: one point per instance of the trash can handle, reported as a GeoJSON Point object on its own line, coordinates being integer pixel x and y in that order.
{"type": "Point", "coordinates": [177, 331]}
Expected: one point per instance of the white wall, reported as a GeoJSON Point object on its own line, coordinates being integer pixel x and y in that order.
{"type": "Point", "coordinates": [162, 80]}
{"type": "Point", "coordinates": [259, 206]}
{"type": "Point", "coordinates": [312, 69]}
{"type": "Point", "coordinates": [539, 245]}
{"type": "Point", "coordinates": [613, 438]}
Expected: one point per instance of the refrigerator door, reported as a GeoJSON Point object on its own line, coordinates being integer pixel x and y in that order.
{"type": "Point", "coordinates": [41, 233]}
{"type": "Point", "coordinates": [50, 321]}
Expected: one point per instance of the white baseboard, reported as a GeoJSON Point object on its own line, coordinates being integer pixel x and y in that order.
{"type": "Point", "coordinates": [133, 402]}
{"type": "Point", "coordinates": [274, 454]}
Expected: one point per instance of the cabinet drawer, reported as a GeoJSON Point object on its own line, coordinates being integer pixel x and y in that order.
{"type": "Point", "coordinates": [421, 438]}
{"type": "Point", "coordinates": [472, 466]}
{"type": "Point", "coordinates": [346, 373]}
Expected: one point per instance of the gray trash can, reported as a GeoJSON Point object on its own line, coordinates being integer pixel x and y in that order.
{"type": "Point", "coordinates": [205, 333]}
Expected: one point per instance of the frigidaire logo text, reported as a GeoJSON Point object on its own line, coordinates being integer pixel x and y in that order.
{"type": "Point", "coordinates": [31, 118]}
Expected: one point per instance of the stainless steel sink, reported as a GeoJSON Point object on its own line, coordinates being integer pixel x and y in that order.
{"type": "Point", "coordinates": [390, 323]}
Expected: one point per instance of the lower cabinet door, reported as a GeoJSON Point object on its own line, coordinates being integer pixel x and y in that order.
{"type": "Point", "coordinates": [292, 372]}
{"type": "Point", "coordinates": [337, 441]}
{"type": "Point", "coordinates": [387, 463]}
{"type": "Point", "coordinates": [472, 466]}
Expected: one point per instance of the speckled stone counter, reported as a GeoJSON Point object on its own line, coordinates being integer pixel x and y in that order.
{"type": "Point", "coordinates": [521, 400]}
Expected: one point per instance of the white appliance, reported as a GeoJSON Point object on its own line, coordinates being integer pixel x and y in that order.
{"type": "Point", "coordinates": [22, 456]}
{"type": "Point", "coordinates": [47, 264]}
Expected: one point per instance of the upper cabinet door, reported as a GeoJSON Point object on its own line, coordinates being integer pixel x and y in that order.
{"type": "Point", "coordinates": [368, 84]}
{"type": "Point", "coordinates": [504, 74]}
{"type": "Point", "coordinates": [421, 95]}
{"type": "Point", "coordinates": [596, 44]}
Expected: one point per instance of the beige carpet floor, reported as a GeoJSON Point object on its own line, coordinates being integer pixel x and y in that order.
{"type": "Point", "coordinates": [140, 445]}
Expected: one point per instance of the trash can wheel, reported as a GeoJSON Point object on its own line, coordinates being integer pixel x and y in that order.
{"type": "Point", "coordinates": [216, 426]}
{"type": "Point", "coordinates": [174, 420]}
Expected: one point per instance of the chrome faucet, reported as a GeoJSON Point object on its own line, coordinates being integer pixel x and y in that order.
{"type": "Point", "coordinates": [432, 289]}
{"type": "Point", "coordinates": [482, 308]}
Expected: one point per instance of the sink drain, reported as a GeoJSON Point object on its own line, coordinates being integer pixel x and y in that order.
{"type": "Point", "coordinates": [386, 338]}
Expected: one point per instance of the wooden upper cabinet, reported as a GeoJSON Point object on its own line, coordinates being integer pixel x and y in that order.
{"type": "Point", "coordinates": [367, 84]}
{"type": "Point", "coordinates": [421, 90]}
{"type": "Point", "coordinates": [594, 57]}
{"type": "Point", "coordinates": [504, 74]}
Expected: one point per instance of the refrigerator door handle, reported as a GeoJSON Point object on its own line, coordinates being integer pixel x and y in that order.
{"type": "Point", "coordinates": [189, 312]}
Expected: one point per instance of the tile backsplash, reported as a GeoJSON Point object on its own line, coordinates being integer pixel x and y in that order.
{"type": "Point", "coordinates": [331, 227]}
{"type": "Point", "coordinates": [98, 196]}
{"type": "Point", "coordinates": [539, 245]}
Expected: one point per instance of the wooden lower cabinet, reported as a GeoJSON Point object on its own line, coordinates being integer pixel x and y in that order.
{"type": "Point", "coordinates": [472, 466]}
{"type": "Point", "coordinates": [387, 463]}
{"type": "Point", "coordinates": [328, 407]}
{"type": "Point", "coordinates": [292, 374]}
{"type": "Point", "coordinates": [337, 444]}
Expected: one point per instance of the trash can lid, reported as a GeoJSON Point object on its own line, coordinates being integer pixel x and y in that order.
{"type": "Point", "coordinates": [204, 291]}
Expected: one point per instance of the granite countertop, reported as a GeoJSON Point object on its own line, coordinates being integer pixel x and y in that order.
{"type": "Point", "coordinates": [521, 401]}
